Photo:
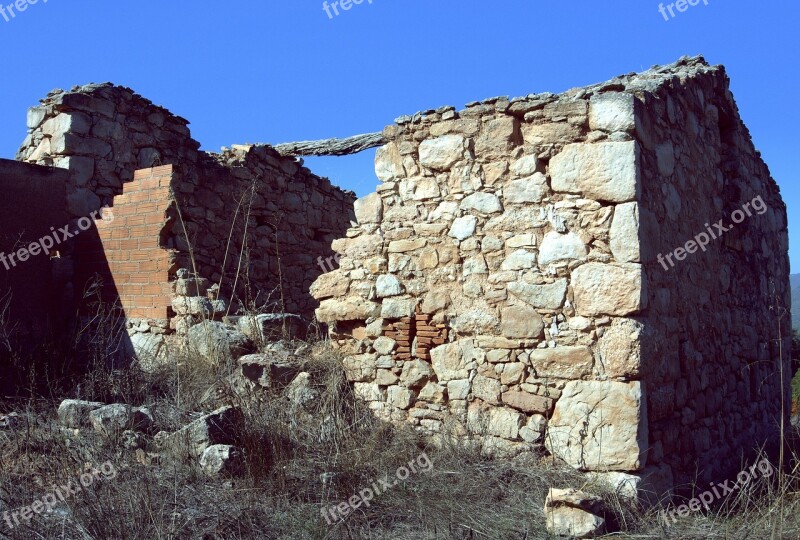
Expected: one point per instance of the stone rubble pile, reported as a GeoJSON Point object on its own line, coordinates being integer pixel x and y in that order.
{"type": "Point", "coordinates": [212, 441]}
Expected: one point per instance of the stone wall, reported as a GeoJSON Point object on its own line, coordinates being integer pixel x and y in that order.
{"type": "Point", "coordinates": [248, 219]}
{"type": "Point", "coordinates": [504, 281]}
{"type": "Point", "coordinates": [31, 285]}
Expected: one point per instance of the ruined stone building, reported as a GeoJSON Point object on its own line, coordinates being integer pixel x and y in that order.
{"type": "Point", "coordinates": [505, 277]}
{"type": "Point", "coordinates": [514, 277]}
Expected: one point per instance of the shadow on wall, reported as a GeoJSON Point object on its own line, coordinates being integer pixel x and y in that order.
{"type": "Point", "coordinates": [37, 314]}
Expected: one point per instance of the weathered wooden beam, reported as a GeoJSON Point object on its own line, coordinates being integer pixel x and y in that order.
{"type": "Point", "coordinates": [332, 147]}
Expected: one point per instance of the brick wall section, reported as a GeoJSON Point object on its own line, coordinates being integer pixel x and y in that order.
{"type": "Point", "coordinates": [128, 253]}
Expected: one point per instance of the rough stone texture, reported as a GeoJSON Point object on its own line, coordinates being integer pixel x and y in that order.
{"type": "Point", "coordinates": [600, 425]}
{"type": "Point", "coordinates": [534, 264]}
{"type": "Point", "coordinates": [215, 341]}
{"type": "Point", "coordinates": [605, 289]}
{"type": "Point", "coordinates": [606, 171]}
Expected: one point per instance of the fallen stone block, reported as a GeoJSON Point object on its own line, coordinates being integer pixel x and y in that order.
{"type": "Point", "coordinates": [111, 420]}
{"type": "Point", "coordinates": [574, 514]}
{"type": "Point", "coordinates": [223, 460]}
{"type": "Point", "coordinates": [222, 426]}
{"type": "Point", "coordinates": [74, 413]}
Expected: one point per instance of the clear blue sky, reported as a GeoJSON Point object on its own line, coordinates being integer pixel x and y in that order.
{"type": "Point", "coordinates": [277, 71]}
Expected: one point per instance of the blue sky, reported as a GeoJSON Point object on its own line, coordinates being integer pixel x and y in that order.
{"type": "Point", "coordinates": [277, 71]}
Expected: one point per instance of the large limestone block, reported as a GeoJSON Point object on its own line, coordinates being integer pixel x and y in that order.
{"type": "Point", "coordinates": [562, 362]}
{"type": "Point", "coordinates": [517, 218]}
{"type": "Point", "coordinates": [74, 413]}
{"type": "Point", "coordinates": [389, 163]}
{"type": "Point", "coordinates": [604, 171]}
{"type": "Point", "coordinates": [400, 397]}
{"type": "Point", "coordinates": [331, 285]}
{"type": "Point", "coordinates": [612, 111]}
{"type": "Point", "coordinates": [388, 285]}
{"type": "Point", "coordinates": [528, 403]}
{"type": "Point", "coordinates": [619, 349]}
{"type": "Point", "coordinates": [521, 322]}
{"type": "Point", "coordinates": [497, 136]}
{"type": "Point", "coordinates": [463, 227]}
{"type": "Point", "coordinates": [443, 152]}
{"type": "Point", "coordinates": [475, 321]}
{"type": "Point", "coordinates": [404, 246]}
{"type": "Point", "coordinates": [416, 373]}
{"type": "Point", "coordinates": [600, 426]}
{"type": "Point", "coordinates": [525, 166]}
{"type": "Point", "coordinates": [421, 188]}
{"type": "Point", "coordinates": [369, 209]}
{"type": "Point", "coordinates": [352, 308]}
{"type": "Point", "coordinates": [487, 389]}
{"type": "Point", "coordinates": [548, 296]}
{"type": "Point", "coordinates": [625, 242]}
{"type": "Point", "coordinates": [436, 300]}
{"type": "Point", "coordinates": [361, 247]}
{"type": "Point", "coordinates": [223, 460]}
{"type": "Point", "coordinates": [520, 259]}
{"type": "Point", "coordinates": [73, 122]}
{"type": "Point", "coordinates": [527, 190]}
{"type": "Point", "coordinates": [495, 421]}
{"type": "Point", "coordinates": [360, 367]}
{"type": "Point", "coordinates": [609, 289]}
{"type": "Point", "coordinates": [448, 362]}
{"type": "Point", "coordinates": [538, 135]}
{"type": "Point", "coordinates": [397, 308]}
{"type": "Point", "coordinates": [485, 203]}
{"type": "Point", "coordinates": [111, 420]}
{"type": "Point", "coordinates": [215, 341]}
{"type": "Point", "coordinates": [561, 247]}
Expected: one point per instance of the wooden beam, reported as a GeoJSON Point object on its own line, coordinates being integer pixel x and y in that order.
{"type": "Point", "coordinates": [332, 147]}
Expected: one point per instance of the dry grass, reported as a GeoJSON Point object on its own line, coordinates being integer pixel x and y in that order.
{"type": "Point", "coordinates": [463, 496]}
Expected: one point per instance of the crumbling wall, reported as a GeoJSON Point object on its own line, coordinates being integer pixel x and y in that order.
{"type": "Point", "coordinates": [261, 221]}
{"type": "Point", "coordinates": [504, 279]}
{"type": "Point", "coordinates": [249, 219]}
